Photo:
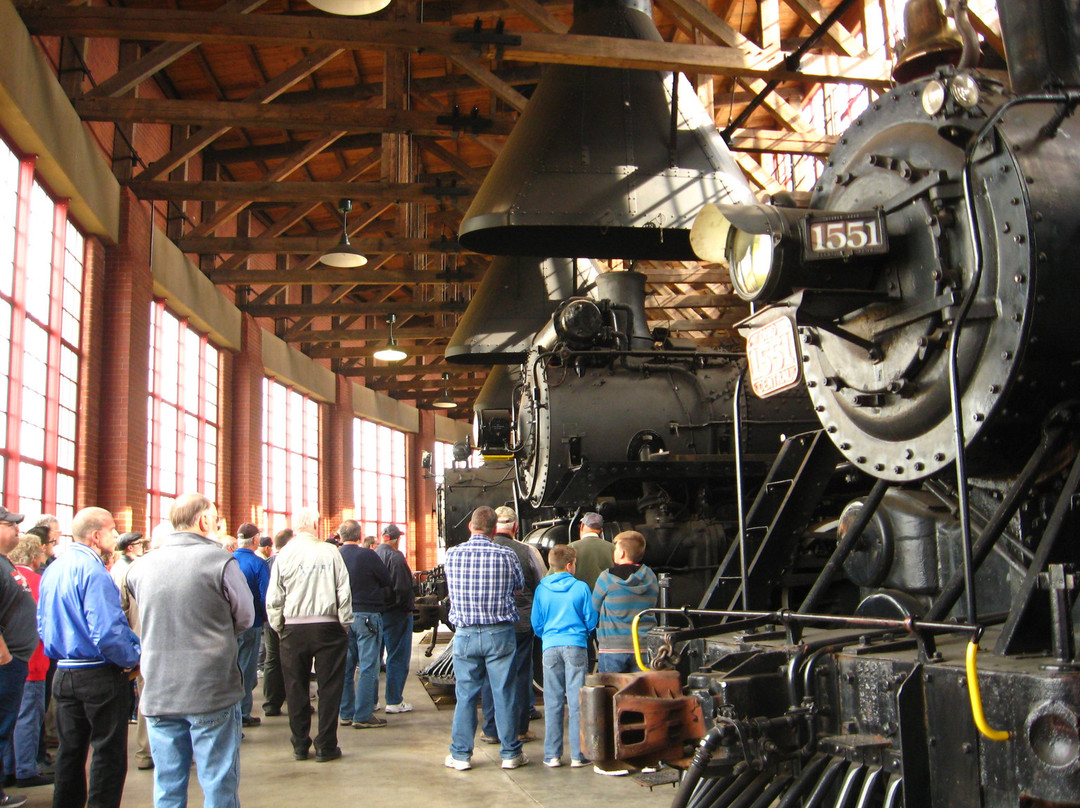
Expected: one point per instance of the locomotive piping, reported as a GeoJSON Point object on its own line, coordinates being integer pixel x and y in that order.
{"type": "Point", "coordinates": [736, 425]}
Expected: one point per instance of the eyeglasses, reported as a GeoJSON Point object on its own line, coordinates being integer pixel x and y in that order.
{"type": "Point", "coordinates": [49, 541]}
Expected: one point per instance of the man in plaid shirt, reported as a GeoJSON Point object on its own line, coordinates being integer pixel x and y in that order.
{"type": "Point", "coordinates": [482, 578]}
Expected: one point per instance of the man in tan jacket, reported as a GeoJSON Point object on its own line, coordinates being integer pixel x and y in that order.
{"type": "Point", "coordinates": [309, 603]}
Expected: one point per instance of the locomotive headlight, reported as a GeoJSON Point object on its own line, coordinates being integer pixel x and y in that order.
{"type": "Point", "coordinates": [759, 243]}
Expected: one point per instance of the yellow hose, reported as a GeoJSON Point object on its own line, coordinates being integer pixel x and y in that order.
{"type": "Point", "coordinates": [637, 643]}
{"type": "Point", "coordinates": [976, 698]}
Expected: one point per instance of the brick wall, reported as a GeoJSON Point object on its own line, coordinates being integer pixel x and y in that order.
{"type": "Point", "coordinates": [242, 469]}
{"type": "Point", "coordinates": [336, 459]}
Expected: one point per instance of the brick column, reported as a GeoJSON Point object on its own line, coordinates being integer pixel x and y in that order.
{"type": "Point", "coordinates": [241, 470]}
{"type": "Point", "coordinates": [125, 368]}
{"type": "Point", "coordinates": [423, 527]}
{"type": "Point", "coordinates": [336, 465]}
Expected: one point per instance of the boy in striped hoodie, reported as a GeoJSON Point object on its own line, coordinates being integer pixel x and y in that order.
{"type": "Point", "coordinates": [620, 593]}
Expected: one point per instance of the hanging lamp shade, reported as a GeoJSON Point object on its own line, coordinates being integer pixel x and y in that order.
{"type": "Point", "coordinates": [444, 402]}
{"type": "Point", "coordinates": [344, 255]}
{"type": "Point", "coordinates": [350, 8]}
{"type": "Point", "coordinates": [390, 352]}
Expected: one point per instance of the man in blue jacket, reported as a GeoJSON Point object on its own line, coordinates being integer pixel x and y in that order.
{"type": "Point", "coordinates": [257, 573]}
{"type": "Point", "coordinates": [83, 627]}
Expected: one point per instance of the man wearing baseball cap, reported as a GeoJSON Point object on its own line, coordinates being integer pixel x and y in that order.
{"type": "Point", "coordinates": [130, 546]}
{"type": "Point", "coordinates": [397, 621]}
{"type": "Point", "coordinates": [18, 636]}
{"type": "Point", "coordinates": [257, 573]}
{"type": "Point", "coordinates": [594, 552]}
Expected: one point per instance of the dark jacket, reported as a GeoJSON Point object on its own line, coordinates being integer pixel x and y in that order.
{"type": "Point", "coordinates": [402, 578]}
{"type": "Point", "coordinates": [372, 587]}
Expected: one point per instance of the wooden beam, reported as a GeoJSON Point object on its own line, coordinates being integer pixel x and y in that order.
{"type": "Point", "coordinates": [309, 117]}
{"type": "Point", "coordinates": [365, 334]}
{"type": "Point", "coordinates": [286, 149]}
{"type": "Point", "coordinates": [134, 74]}
{"type": "Point", "coordinates": [368, 351]}
{"type": "Point", "coordinates": [485, 78]}
{"type": "Point", "coordinates": [360, 276]}
{"type": "Point", "coordinates": [455, 162]}
{"type": "Point", "coordinates": [783, 142]}
{"type": "Point", "coordinates": [291, 191]}
{"type": "Point", "coordinates": [355, 34]}
{"type": "Point", "coordinates": [307, 245]}
{"type": "Point", "coordinates": [544, 19]}
{"type": "Point", "coordinates": [332, 309]}
{"type": "Point", "coordinates": [688, 301]}
{"type": "Point", "coordinates": [418, 371]}
{"type": "Point", "coordinates": [695, 274]}
{"type": "Point", "coordinates": [838, 37]}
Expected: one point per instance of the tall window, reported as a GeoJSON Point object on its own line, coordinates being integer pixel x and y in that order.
{"type": "Point", "coordinates": [183, 413]}
{"type": "Point", "coordinates": [379, 477]}
{"type": "Point", "coordinates": [290, 453]}
{"type": "Point", "coordinates": [41, 278]}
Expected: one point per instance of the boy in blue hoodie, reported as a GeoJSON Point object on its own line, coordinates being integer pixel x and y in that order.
{"type": "Point", "coordinates": [620, 593]}
{"type": "Point", "coordinates": [563, 616]}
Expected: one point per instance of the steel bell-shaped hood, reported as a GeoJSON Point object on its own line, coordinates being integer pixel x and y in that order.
{"type": "Point", "coordinates": [591, 168]}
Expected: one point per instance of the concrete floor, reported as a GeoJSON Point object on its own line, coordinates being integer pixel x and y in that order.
{"type": "Point", "coordinates": [399, 766]}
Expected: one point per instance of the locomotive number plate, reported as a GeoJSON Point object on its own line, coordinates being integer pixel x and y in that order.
{"type": "Point", "coordinates": [840, 235]}
{"type": "Point", "coordinates": [773, 357]}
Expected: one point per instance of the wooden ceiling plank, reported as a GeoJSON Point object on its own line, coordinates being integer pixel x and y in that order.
{"type": "Point", "coordinates": [783, 142]}
{"type": "Point", "coordinates": [485, 78]}
{"type": "Point", "coordinates": [360, 276]}
{"type": "Point", "coordinates": [770, 24]}
{"type": "Point", "coordinates": [311, 150]}
{"type": "Point", "coordinates": [368, 334]}
{"type": "Point", "coordinates": [304, 117]}
{"type": "Point", "coordinates": [306, 245]}
{"type": "Point", "coordinates": [456, 163]}
{"type": "Point", "coordinates": [199, 140]}
{"type": "Point", "coordinates": [540, 16]}
{"type": "Point", "coordinates": [328, 309]}
{"type": "Point", "coordinates": [348, 34]}
{"type": "Point", "coordinates": [262, 191]}
{"type": "Point", "coordinates": [364, 351]}
{"type": "Point", "coordinates": [710, 24]}
{"type": "Point", "coordinates": [387, 371]}
{"type": "Point", "coordinates": [758, 175]}
{"type": "Point", "coordinates": [838, 37]}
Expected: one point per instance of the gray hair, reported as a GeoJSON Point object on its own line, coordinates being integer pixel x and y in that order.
{"type": "Point", "coordinates": [483, 520]}
{"type": "Point", "coordinates": [186, 510]}
{"type": "Point", "coordinates": [306, 517]}
{"type": "Point", "coordinates": [369, 541]}
{"type": "Point", "coordinates": [245, 541]}
{"type": "Point", "coordinates": [47, 520]}
{"type": "Point", "coordinates": [28, 548]}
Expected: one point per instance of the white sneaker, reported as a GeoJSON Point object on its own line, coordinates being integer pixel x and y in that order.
{"type": "Point", "coordinates": [515, 762]}
{"type": "Point", "coordinates": [376, 708]}
{"type": "Point", "coordinates": [578, 763]}
{"type": "Point", "coordinates": [403, 707]}
{"type": "Point", "coordinates": [553, 763]}
{"type": "Point", "coordinates": [452, 762]}
{"type": "Point", "coordinates": [618, 772]}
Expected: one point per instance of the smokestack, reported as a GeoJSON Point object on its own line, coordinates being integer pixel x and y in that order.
{"type": "Point", "coordinates": [591, 169]}
{"type": "Point", "coordinates": [628, 289]}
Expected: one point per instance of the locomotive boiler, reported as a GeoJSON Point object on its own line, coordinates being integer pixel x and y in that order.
{"type": "Point", "coordinates": [642, 428]}
{"type": "Point", "coordinates": [924, 300]}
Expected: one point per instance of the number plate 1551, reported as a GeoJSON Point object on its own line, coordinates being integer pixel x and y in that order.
{"type": "Point", "coordinates": [773, 358]}
{"type": "Point", "coordinates": [839, 235]}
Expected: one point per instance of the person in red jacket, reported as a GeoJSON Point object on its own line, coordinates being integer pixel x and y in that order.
{"type": "Point", "coordinates": [20, 757]}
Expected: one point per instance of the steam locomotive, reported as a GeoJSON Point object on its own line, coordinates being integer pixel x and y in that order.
{"type": "Point", "coordinates": [924, 302]}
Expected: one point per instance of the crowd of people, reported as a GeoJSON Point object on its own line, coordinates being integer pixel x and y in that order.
{"type": "Point", "coordinates": [178, 624]}
{"type": "Point", "coordinates": [181, 624]}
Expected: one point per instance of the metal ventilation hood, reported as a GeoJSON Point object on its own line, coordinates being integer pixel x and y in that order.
{"type": "Point", "coordinates": [591, 168]}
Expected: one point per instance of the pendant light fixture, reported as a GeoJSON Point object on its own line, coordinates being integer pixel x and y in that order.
{"type": "Point", "coordinates": [444, 402]}
{"type": "Point", "coordinates": [344, 255]}
{"type": "Point", "coordinates": [390, 352]}
{"type": "Point", "coordinates": [350, 8]}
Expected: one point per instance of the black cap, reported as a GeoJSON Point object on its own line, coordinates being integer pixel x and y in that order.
{"type": "Point", "coordinates": [126, 540]}
{"type": "Point", "coordinates": [392, 532]}
{"type": "Point", "coordinates": [266, 541]}
{"type": "Point", "coordinates": [10, 516]}
{"type": "Point", "coordinates": [247, 531]}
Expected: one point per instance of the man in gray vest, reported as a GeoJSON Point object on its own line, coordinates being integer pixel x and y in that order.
{"type": "Point", "coordinates": [193, 602]}
{"type": "Point", "coordinates": [522, 672]}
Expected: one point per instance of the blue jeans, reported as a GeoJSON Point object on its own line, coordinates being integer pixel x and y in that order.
{"type": "Point", "coordinates": [12, 681]}
{"type": "Point", "coordinates": [483, 652]}
{"type": "Point", "coordinates": [617, 663]}
{"type": "Point", "coordinates": [20, 757]}
{"type": "Point", "coordinates": [248, 660]}
{"type": "Point", "coordinates": [213, 739]}
{"type": "Point", "coordinates": [522, 684]}
{"type": "Point", "coordinates": [564, 674]}
{"type": "Point", "coordinates": [397, 639]}
{"type": "Point", "coordinates": [364, 652]}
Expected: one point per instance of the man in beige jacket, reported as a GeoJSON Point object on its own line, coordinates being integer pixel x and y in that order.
{"type": "Point", "coordinates": [309, 603]}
